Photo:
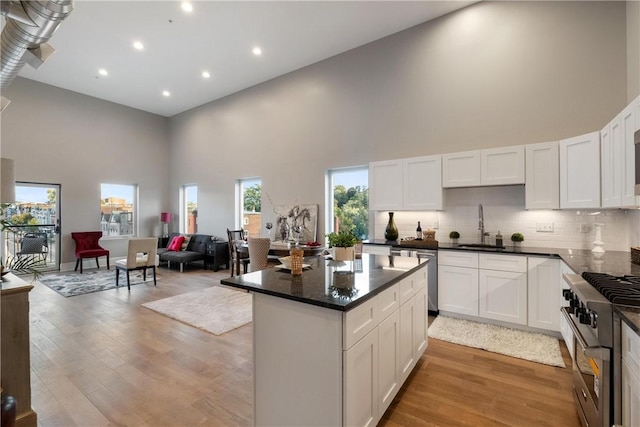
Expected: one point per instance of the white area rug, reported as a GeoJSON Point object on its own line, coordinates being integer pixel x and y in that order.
{"type": "Point", "coordinates": [216, 310]}
{"type": "Point", "coordinates": [511, 342]}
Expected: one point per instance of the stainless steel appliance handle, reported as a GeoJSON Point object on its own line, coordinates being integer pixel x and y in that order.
{"type": "Point", "coordinates": [597, 352]}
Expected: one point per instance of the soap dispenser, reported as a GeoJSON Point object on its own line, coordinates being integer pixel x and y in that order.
{"type": "Point", "coordinates": [499, 239]}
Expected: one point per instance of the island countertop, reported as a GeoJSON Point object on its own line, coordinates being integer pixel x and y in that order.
{"type": "Point", "coordinates": [322, 283]}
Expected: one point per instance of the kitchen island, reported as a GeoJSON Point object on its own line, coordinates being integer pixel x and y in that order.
{"type": "Point", "coordinates": [333, 346]}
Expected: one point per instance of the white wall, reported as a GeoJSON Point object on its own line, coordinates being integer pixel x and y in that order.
{"type": "Point", "coordinates": [493, 74]}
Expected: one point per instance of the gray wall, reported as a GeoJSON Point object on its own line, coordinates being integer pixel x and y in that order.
{"type": "Point", "coordinates": [493, 74]}
{"type": "Point", "coordinates": [61, 137]}
{"type": "Point", "coordinates": [633, 49]}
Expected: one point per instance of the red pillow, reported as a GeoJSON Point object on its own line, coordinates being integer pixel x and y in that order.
{"type": "Point", "coordinates": [176, 244]}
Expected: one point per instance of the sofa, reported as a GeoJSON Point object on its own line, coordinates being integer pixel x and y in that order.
{"type": "Point", "coordinates": [194, 250]}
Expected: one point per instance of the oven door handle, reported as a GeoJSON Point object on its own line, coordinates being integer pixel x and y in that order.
{"type": "Point", "coordinates": [597, 352]}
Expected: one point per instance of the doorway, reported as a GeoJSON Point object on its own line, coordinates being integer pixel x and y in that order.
{"type": "Point", "coordinates": [35, 224]}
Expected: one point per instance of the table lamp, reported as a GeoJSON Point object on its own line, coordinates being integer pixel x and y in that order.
{"type": "Point", "coordinates": [165, 219]}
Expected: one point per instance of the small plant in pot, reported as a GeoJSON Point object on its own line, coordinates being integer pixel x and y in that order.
{"type": "Point", "coordinates": [454, 236]}
{"type": "Point", "coordinates": [343, 243]}
{"type": "Point", "coordinates": [517, 238]}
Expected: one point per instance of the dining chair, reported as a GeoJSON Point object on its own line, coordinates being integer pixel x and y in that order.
{"type": "Point", "coordinates": [87, 246]}
{"type": "Point", "coordinates": [258, 252]}
{"type": "Point", "coordinates": [236, 256]}
{"type": "Point", "coordinates": [34, 246]}
{"type": "Point", "coordinates": [141, 255]}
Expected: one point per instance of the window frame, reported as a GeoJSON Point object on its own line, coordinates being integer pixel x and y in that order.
{"type": "Point", "coordinates": [184, 206]}
{"type": "Point", "coordinates": [329, 195]}
{"type": "Point", "coordinates": [132, 215]}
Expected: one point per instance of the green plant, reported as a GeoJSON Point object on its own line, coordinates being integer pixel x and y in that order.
{"type": "Point", "coordinates": [454, 235]}
{"type": "Point", "coordinates": [342, 239]}
{"type": "Point", "coordinates": [517, 237]}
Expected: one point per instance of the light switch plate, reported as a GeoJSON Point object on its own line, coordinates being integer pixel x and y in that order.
{"type": "Point", "coordinates": [544, 227]}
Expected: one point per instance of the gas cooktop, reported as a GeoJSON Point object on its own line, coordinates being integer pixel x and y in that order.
{"type": "Point", "coordinates": [624, 290]}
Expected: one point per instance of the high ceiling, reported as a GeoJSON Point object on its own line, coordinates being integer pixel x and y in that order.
{"type": "Point", "coordinates": [217, 37]}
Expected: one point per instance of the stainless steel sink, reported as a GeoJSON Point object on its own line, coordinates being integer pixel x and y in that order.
{"type": "Point", "coordinates": [480, 246]}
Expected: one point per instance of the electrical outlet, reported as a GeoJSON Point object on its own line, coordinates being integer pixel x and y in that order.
{"type": "Point", "coordinates": [435, 225]}
{"type": "Point", "coordinates": [544, 227]}
{"type": "Point", "coordinates": [584, 228]}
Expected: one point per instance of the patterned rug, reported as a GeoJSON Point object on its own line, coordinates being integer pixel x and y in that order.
{"type": "Point", "coordinates": [74, 284]}
{"type": "Point", "coordinates": [216, 309]}
{"type": "Point", "coordinates": [498, 339]}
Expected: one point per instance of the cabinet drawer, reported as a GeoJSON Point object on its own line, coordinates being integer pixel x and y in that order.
{"type": "Point", "coordinates": [409, 286]}
{"type": "Point", "coordinates": [388, 301]}
{"type": "Point", "coordinates": [630, 348]}
{"type": "Point", "coordinates": [515, 263]}
{"type": "Point", "coordinates": [359, 321]}
{"type": "Point", "coordinates": [458, 258]}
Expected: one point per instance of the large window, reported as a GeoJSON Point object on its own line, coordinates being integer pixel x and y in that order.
{"type": "Point", "coordinates": [348, 201]}
{"type": "Point", "coordinates": [117, 209]}
{"type": "Point", "coordinates": [250, 205]}
{"type": "Point", "coordinates": [190, 209]}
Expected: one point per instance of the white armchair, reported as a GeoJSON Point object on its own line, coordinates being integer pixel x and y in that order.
{"type": "Point", "coordinates": [141, 255]}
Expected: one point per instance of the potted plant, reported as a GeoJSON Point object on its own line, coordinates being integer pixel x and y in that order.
{"type": "Point", "coordinates": [343, 243]}
{"type": "Point", "coordinates": [454, 236]}
{"type": "Point", "coordinates": [517, 238]}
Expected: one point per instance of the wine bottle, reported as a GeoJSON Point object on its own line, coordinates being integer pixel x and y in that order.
{"type": "Point", "coordinates": [419, 232]}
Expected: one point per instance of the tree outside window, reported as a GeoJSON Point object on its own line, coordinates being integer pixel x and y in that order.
{"type": "Point", "coordinates": [350, 195]}
{"type": "Point", "coordinates": [251, 205]}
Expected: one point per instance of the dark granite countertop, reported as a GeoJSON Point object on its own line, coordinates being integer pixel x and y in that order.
{"type": "Point", "coordinates": [630, 316]}
{"type": "Point", "coordinates": [317, 285]}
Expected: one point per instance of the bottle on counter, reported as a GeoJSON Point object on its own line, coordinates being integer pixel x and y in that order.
{"type": "Point", "coordinates": [419, 232]}
{"type": "Point", "coordinates": [498, 239]}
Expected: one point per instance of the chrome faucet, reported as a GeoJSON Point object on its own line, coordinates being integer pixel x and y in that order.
{"type": "Point", "coordinates": [481, 223]}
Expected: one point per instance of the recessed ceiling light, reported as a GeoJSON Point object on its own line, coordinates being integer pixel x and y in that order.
{"type": "Point", "coordinates": [138, 45]}
{"type": "Point", "coordinates": [257, 51]}
{"type": "Point", "coordinates": [187, 6]}
{"type": "Point", "coordinates": [166, 93]}
{"type": "Point", "coordinates": [206, 74]}
{"type": "Point", "coordinates": [103, 72]}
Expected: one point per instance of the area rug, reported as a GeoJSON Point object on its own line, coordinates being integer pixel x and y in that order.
{"type": "Point", "coordinates": [497, 339]}
{"type": "Point", "coordinates": [73, 284]}
{"type": "Point", "coordinates": [216, 309]}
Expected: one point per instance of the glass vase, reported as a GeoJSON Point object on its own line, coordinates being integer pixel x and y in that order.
{"type": "Point", "coordinates": [391, 232]}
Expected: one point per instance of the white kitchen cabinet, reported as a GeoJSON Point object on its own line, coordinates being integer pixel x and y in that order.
{"type": "Point", "coordinates": [630, 376]}
{"type": "Point", "coordinates": [544, 293]}
{"type": "Point", "coordinates": [458, 282]}
{"type": "Point", "coordinates": [389, 373]}
{"type": "Point", "coordinates": [406, 184]}
{"type": "Point", "coordinates": [413, 321]}
{"type": "Point", "coordinates": [376, 249]}
{"type": "Point", "coordinates": [618, 160]}
{"type": "Point", "coordinates": [503, 296]}
{"type": "Point", "coordinates": [579, 172]}
{"type": "Point", "coordinates": [361, 382]}
{"type": "Point", "coordinates": [542, 181]}
{"type": "Point", "coordinates": [461, 169]}
{"type": "Point", "coordinates": [496, 166]}
{"type": "Point", "coordinates": [407, 325]}
{"type": "Point", "coordinates": [385, 180]}
{"type": "Point", "coordinates": [502, 166]}
{"type": "Point", "coordinates": [565, 329]}
{"type": "Point", "coordinates": [422, 183]}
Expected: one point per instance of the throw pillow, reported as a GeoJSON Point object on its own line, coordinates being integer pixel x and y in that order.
{"type": "Point", "coordinates": [176, 244]}
{"type": "Point", "coordinates": [185, 243]}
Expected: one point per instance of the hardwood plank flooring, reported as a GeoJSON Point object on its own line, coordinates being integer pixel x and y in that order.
{"type": "Point", "coordinates": [102, 359]}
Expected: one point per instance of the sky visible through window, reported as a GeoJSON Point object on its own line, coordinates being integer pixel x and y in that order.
{"type": "Point", "coordinates": [118, 191]}
{"type": "Point", "coordinates": [351, 178]}
{"type": "Point", "coordinates": [32, 194]}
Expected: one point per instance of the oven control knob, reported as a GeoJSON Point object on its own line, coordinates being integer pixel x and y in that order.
{"type": "Point", "coordinates": [567, 294]}
{"type": "Point", "coordinates": [593, 320]}
{"type": "Point", "coordinates": [585, 316]}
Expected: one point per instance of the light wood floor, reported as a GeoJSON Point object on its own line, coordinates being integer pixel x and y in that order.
{"type": "Point", "coordinates": [102, 359]}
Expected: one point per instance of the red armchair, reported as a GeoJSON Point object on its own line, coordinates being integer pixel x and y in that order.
{"type": "Point", "coordinates": [87, 247]}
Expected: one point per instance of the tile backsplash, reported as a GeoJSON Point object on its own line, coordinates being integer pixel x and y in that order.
{"type": "Point", "coordinates": [504, 210]}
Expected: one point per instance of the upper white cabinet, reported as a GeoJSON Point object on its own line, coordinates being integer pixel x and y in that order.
{"type": "Point", "coordinates": [542, 183]}
{"type": "Point", "coordinates": [497, 166]}
{"type": "Point", "coordinates": [385, 182]}
{"type": "Point", "coordinates": [580, 171]}
{"type": "Point", "coordinates": [406, 184]}
{"type": "Point", "coordinates": [618, 159]}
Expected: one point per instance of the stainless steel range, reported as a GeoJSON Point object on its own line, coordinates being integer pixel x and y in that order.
{"type": "Point", "coordinates": [596, 346]}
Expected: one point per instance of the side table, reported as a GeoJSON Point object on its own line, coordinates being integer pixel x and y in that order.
{"type": "Point", "coordinates": [216, 254]}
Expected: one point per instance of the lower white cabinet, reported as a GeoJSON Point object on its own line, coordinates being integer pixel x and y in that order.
{"type": "Point", "coordinates": [503, 296]}
{"type": "Point", "coordinates": [361, 382]}
{"type": "Point", "coordinates": [458, 289]}
{"type": "Point", "coordinates": [565, 329]}
{"type": "Point", "coordinates": [630, 377]}
{"type": "Point", "coordinates": [545, 293]}
{"type": "Point", "coordinates": [389, 378]}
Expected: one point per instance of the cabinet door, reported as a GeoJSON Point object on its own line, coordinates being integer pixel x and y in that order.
{"type": "Point", "coordinates": [503, 296]}
{"type": "Point", "coordinates": [407, 334]}
{"type": "Point", "coordinates": [630, 396]}
{"type": "Point", "coordinates": [611, 165]}
{"type": "Point", "coordinates": [385, 178]}
{"type": "Point", "coordinates": [461, 169]}
{"type": "Point", "coordinates": [389, 373]}
{"type": "Point", "coordinates": [565, 329]}
{"type": "Point", "coordinates": [361, 382]}
{"type": "Point", "coordinates": [458, 289]}
{"type": "Point", "coordinates": [420, 339]}
{"type": "Point", "coordinates": [502, 166]}
{"type": "Point", "coordinates": [422, 183]}
{"type": "Point", "coordinates": [579, 172]}
{"type": "Point", "coordinates": [542, 181]}
{"type": "Point", "coordinates": [627, 121]}
{"type": "Point", "coordinates": [545, 293]}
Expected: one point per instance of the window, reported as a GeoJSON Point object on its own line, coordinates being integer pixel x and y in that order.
{"type": "Point", "coordinates": [250, 207]}
{"type": "Point", "coordinates": [348, 201]}
{"type": "Point", "coordinates": [190, 209]}
{"type": "Point", "coordinates": [118, 209]}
